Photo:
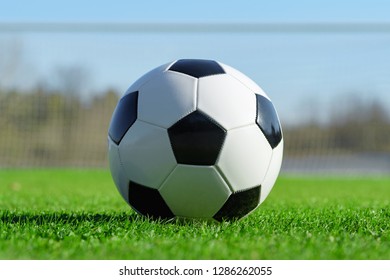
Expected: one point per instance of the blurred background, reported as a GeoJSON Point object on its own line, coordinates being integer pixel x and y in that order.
{"type": "Point", "coordinates": [325, 65]}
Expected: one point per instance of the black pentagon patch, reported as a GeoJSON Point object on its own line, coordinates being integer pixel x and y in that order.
{"type": "Point", "coordinates": [197, 67]}
{"type": "Point", "coordinates": [267, 120]}
{"type": "Point", "coordinates": [148, 202]}
{"type": "Point", "coordinates": [196, 139]}
{"type": "Point", "coordinates": [123, 117]}
{"type": "Point", "coordinates": [239, 204]}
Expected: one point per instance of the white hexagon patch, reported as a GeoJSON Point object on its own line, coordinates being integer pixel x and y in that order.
{"type": "Point", "coordinates": [167, 98]}
{"type": "Point", "coordinates": [227, 101]}
{"type": "Point", "coordinates": [245, 157]}
{"type": "Point", "coordinates": [195, 191]}
{"type": "Point", "coordinates": [146, 154]}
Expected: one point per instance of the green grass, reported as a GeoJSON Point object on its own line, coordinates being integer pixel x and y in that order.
{"type": "Point", "coordinates": [78, 214]}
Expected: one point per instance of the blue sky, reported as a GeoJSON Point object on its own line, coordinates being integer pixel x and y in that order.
{"type": "Point", "coordinates": [201, 10]}
{"type": "Point", "coordinates": [304, 74]}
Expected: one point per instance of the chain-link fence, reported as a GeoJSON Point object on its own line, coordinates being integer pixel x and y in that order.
{"type": "Point", "coordinates": [331, 124]}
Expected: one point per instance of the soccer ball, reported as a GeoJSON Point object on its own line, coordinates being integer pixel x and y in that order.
{"type": "Point", "coordinates": [195, 139]}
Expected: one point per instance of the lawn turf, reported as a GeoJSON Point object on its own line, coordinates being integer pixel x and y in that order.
{"type": "Point", "coordinates": [78, 214]}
